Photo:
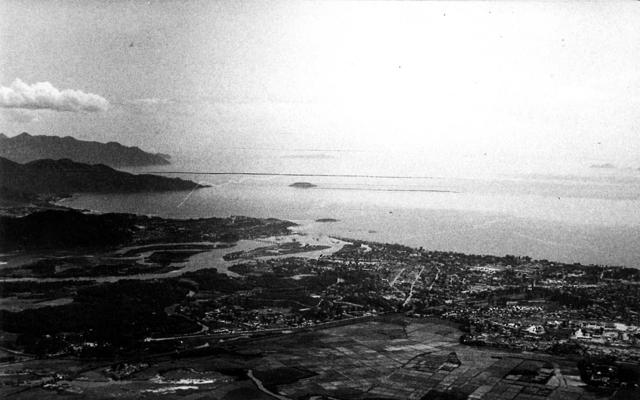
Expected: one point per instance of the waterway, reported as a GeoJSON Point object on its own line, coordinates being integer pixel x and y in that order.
{"type": "Point", "coordinates": [213, 258]}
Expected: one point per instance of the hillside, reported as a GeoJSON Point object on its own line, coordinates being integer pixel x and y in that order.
{"type": "Point", "coordinates": [24, 148]}
{"type": "Point", "coordinates": [64, 229]}
{"type": "Point", "coordinates": [66, 176]}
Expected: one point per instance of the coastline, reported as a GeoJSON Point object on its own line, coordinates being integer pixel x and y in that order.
{"type": "Point", "coordinates": [296, 283]}
{"type": "Point", "coordinates": [438, 229]}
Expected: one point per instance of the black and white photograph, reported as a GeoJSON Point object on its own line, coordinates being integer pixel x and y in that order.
{"type": "Point", "coordinates": [319, 200]}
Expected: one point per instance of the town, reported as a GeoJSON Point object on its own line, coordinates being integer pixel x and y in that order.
{"type": "Point", "coordinates": [587, 313]}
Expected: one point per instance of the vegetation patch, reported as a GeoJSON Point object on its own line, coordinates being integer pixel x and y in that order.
{"type": "Point", "coordinates": [282, 376]}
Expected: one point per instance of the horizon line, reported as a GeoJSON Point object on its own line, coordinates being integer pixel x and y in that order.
{"type": "Point", "coordinates": [293, 174]}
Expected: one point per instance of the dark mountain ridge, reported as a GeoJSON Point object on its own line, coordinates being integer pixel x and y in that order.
{"type": "Point", "coordinates": [25, 148]}
{"type": "Point", "coordinates": [66, 176]}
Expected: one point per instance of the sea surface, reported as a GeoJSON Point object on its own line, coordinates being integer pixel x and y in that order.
{"type": "Point", "coordinates": [590, 219]}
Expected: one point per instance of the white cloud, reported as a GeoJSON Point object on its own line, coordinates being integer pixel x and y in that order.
{"type": "Point", "coordinates": [44, 96]}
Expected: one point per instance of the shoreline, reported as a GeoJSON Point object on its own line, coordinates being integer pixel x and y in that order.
{"type": "Point", "coordinates": [304, 227]}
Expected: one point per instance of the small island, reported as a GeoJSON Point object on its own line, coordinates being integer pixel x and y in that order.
{"type": "Point", "coordinates": [302, 185]}
{"type": "Point", "coordinates": [327, 220]}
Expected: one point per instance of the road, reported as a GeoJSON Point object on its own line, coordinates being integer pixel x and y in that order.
{"type": "Point", "coordinates": [413, 284]}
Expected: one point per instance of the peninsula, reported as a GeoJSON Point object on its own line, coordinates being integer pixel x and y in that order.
{"type": "Point", "coordinates": [65, 176]}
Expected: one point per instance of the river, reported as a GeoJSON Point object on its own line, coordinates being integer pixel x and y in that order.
{"type": "Point", "coordinates": [213, 258]}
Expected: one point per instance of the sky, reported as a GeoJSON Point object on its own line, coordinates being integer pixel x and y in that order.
{"type": "Point", "coordinates": [397, 87]}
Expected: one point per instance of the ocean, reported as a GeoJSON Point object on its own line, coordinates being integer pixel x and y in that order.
{"type": "Point", "coordinates": [586, 219]}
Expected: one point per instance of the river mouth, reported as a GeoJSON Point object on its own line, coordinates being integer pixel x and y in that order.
{"type": "Point", "coordinates": [177, 258]}
{"type": "Point", "coordinates": [57, 272]}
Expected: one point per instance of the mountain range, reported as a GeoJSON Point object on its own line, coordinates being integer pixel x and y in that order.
{"type": "Point", "coordinates": [25, 148]}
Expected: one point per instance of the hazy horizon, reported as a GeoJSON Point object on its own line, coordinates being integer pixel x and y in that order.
{"type": "Point", "coordinates": [422, 88]}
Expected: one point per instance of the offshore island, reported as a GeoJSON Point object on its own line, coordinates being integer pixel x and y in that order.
{"type": "Point", "coordinates": [302, 185]}
{"type": "Point", "coordinates": [101, 305]}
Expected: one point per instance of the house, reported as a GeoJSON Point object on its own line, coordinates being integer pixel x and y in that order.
{"type": "Point", "coordinates": [536, 330]}
{"type": "Point", "coordinates": [581, 335]}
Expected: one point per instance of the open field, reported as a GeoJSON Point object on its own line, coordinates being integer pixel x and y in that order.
{"type": "Point", "coordinates": [392, 358]}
